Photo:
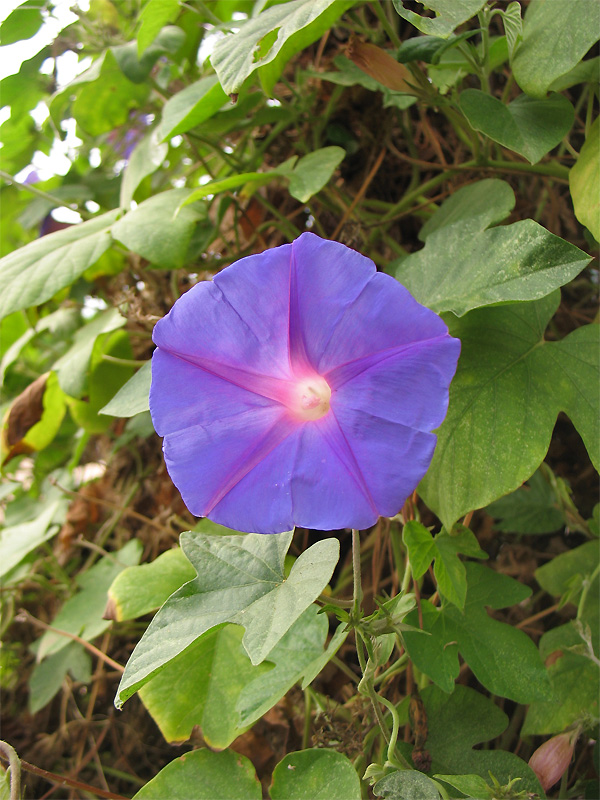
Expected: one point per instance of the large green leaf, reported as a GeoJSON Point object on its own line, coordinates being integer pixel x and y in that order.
{"type": "Point", "coordinates": [502, 658]}
{"type": "Point", "coordinates": [156, 229]}
{"type": "Point", "coordinates": [82, 614]}
{"type": "Point", "coordinates": [508, 390]}
{"type": "Point", "coordinates": [241, 580]}
{"type": "Point", "coordinates": [466, 264]}
{"type": "Point", "coordinates": [133, 397]}
{"type": "Point", "coordinates": [255, 45]}
{"type": "Point", "coordinates": [191, 106]}
{"type": "Point", "coordinates": [315, 774]}
{"type": "Point", "coordinates": [201, 687]}
{"type": "Point", "coordinates": [584, 179]}
{"type": "Point", "coordinates": [35, 272]}
{"type": "Point", "coordinates": [204, 775]}
{"type": "Point", "coordinates": [457, 724]}
{"type": "Point", "coordinates": [448, 16]}
{"type": "Point", "coordinates": [528, 126]}
{"type": "Point", "coordinates": [214, 685]}
{"type": "Point", "coordinates": [556, 36]}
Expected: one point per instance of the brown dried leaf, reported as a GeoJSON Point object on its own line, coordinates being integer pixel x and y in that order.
{"type": "Point", "coordinates": [380, 65]}
{"type": "Point", "coordinates": [26, 410]}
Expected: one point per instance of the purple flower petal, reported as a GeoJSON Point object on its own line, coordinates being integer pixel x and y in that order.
{"type": "Point", "coordinates": [328, 277]}
{"type": "Point", "coordinates": [392, 457]}
{"type": "Point", "coordinates": [195, 396]}
{"type": "Point", "coordinates": [206, 462]}
{"type": "Point", "coordinates": [408, 385]}
{"type": "Point", "coordinates": [239, 319]}
{"type": "Point", "coordinates": [299, 388]}
{"type": "Point", "coordinates": [327, 492]}
{"type": "Point", "coordinates": [384, 315]}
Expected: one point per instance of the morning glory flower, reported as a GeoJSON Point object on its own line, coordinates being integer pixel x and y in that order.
{"type": "Point", "coordinates": [299, 387]}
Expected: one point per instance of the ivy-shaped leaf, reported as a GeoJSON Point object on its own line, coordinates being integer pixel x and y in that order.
{"type": "Point", "coordinates": [508, 390]}
{"type": "Point", "coordinates": [214, 685]}
{"type": "Point", "coordinates": [449, 570]}
{"type": "Point", "coordinates": [240, 579]}
{"type": "Point", "coordinates": [465, 264]}
{"type": "Point", "coordinates": [502, 658]}
{"type": "Point", "coordinates": [457, 724]}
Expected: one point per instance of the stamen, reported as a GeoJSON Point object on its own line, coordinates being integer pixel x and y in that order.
{"type": "Point", "coordinates": [311, 398]}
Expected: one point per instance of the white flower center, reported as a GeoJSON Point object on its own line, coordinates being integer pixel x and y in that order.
{"type": "Point", "coordinates": [311, 398]}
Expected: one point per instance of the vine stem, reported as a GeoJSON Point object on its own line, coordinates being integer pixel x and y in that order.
{"type": "Point", "coordinates": [25, 616]}
{"type": "Point", "coordinates": [63, 780]}
{"type": "Point", "coordinates": [10, 754]}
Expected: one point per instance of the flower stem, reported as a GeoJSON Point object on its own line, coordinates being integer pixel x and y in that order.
{"type": "Point", "coordinates": [358, 592]}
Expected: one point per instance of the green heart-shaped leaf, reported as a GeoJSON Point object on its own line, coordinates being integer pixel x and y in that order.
{"type": "Point", "coordinates": [528, 126]}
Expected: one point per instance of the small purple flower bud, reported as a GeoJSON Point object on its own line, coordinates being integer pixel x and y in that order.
{"type": "Point", "coordinates": [552, 759]}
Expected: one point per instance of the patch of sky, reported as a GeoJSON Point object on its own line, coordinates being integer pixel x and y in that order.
{"type": "Point", "coordinates": [64, 214]}
{"type": "Point", "coordinates": [95, 157]}
{"type": "Point", "coordinates": [91, 306]}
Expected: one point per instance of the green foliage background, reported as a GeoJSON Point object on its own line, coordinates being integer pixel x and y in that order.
{"type": "Point", "coordinates": [458, 148]}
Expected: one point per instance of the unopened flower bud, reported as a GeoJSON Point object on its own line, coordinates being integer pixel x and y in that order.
{"type": "Point", "coordinates": [552, 759]}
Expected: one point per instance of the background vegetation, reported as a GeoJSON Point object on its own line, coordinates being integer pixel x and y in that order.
{"type": "Point", "coordinates": [454, 143]}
